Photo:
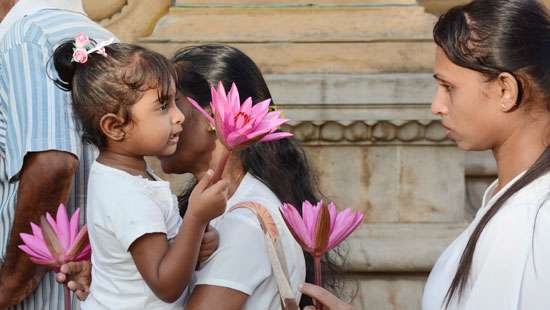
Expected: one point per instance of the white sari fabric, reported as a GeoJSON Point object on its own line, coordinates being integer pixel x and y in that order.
{"type": "Point", "coordinates": [511, 263]}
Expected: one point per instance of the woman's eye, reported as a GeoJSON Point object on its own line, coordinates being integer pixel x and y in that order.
{"type": "Point", "coordinates": [164, 106]}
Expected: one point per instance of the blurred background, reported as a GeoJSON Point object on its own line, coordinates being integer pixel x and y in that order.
{"type": "Point", "coordinates": [354, 76]}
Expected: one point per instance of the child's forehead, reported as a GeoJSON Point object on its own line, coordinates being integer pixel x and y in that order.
{"type": "Point", "coordinates": [162, 87]}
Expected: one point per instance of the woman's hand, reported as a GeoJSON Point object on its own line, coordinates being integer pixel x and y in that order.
{"type": "Point", "coordinates": [209, 244]}
{"type": "Point", "coordinates": [327, 299]}
{"type": "Point", "coordinates": [77, 276]}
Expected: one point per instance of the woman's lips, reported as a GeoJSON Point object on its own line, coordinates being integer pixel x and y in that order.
{"type": "Point", "coordinates": [448, 130]}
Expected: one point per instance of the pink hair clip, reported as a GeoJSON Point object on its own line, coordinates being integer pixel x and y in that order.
{"type": "Point", "coordinates": [84, 46]}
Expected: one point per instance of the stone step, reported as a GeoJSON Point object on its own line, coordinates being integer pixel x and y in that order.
{"type": "Point", "coordinates": [351, 89]}
{"type": "Point", "coordinates": [340, 57]}
{"type": "Point", "coordinates": [353, 97]}
{"type": "Point", "coordinates": [332, 25]}
{"type": "Point", "coordinates": [293, 2]}
{"type": "Point", "coordinates": [399, 247]}
{"type": "Point", "coordinates": [333, 39]}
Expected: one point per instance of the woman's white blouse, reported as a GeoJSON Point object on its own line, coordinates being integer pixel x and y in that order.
{"type": "Point", "coordinates": [511, 263]}
{"type": "Point", "coordinates": [241, 262]}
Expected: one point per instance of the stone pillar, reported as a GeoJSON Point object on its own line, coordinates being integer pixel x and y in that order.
{"type": "Point", "coordinates": [128, 19]}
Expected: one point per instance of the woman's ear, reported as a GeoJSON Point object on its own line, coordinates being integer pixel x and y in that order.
{"type": "Point", "coordinates": [509, 91]}
{"type": "Point", "coordinates": [112, 126]}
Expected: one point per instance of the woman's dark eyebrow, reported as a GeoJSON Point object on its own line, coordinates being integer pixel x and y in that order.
{"type": "Point", "coordinates": [440, 78]}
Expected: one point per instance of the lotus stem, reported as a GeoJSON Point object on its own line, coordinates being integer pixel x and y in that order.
{"type": "Point", "coordinates": [218, 171]}
{"type": "Point", "coordinates": [317, 263]}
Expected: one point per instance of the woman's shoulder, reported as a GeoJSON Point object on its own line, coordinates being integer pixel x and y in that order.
{"type": "Point", "coordinates": [525, 203]}
{"type": "Point", "coordinates": [253, 189]}
{"type": "Point", "coordinates": [523, 216]}
{"type": "Point", "coordinates": [532, 193]}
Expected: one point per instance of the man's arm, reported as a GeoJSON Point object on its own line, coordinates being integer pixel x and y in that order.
{"type": "Point", "coordinates": [45, 182]}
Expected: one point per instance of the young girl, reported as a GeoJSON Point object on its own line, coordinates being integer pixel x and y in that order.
{"type": "Point", "coordinates": [143, 254]}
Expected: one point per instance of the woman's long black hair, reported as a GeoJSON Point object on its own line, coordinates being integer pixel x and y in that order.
{"type": "Point", "coordinates": [281, 165]}
{"type": "Point", "coordinates": [492, 37]}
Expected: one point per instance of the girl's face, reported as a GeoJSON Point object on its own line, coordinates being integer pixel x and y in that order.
{"type": "Point", "coordinates": [470, 107]}
{"type": "Point", "coordinates": [155, 126]}
{"type": "Point", "coordinates": [196, 143]}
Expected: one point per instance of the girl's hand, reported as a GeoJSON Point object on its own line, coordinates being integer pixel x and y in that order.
{"type": "Point", "coordinates": [207, 202]}
{"type": "Point", "coordinates": [209, 244]}
{"type": "Point", "coordinates": [327, 299]}
{"type": "Point", "coordinates": [77, 276]}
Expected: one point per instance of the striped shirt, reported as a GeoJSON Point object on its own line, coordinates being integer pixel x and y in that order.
{"type": "Point", "coordinates": [36, 116]}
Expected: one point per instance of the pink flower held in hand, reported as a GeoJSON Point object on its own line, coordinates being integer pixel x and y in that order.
{"type": "Point", "coordinates": [57, 241]}
{"type": "Point", "coordinates": [240, 125]}
{"type": "Point", "coordinates": [81, 40]}
{"type": "Point", "coordinates": [80, 55]}
{"type": "Point", "coordinates": [321, 227]}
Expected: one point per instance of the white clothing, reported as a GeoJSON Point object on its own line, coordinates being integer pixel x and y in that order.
{"type": "Point", "coordinates": [511, 263]}
{"type": "Point", "coordinates": [28, 7]}
{"type": "Point", "coordinates": [120, 209]}
{"type": "Point", "coordinates": [241, 262]}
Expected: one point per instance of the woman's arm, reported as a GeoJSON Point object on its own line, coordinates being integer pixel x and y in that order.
{"type": "Point", "coordinates": [167, 269]}
{"type": "Point", "coordinates": [206, 297]}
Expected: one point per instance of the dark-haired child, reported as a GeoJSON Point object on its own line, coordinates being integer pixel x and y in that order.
{"type": "Point", "coordinates": [143, 253]}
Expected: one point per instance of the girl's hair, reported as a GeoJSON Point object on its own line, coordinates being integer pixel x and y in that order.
{"type": "Point", "coordinates": [111, 83]}
{"type": "Point", "coordinates": [281, 165]}
{"type": "Point", "coordinates": [492, 37]}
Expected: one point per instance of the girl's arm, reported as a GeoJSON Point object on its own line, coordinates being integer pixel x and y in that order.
{"type": "Point", "coordinates": [167, 269]}
{"type": "Point", "coordinates": [78, 275]}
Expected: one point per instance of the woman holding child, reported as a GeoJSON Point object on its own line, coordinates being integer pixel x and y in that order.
{"type": "Point", "coordinates": [126, 102]}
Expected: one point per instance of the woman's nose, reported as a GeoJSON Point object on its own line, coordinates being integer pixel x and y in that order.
{"type": "Point", "coordinates": [439, 104]}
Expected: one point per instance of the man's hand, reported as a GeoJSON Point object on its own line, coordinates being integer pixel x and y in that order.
{"type": "Point", "coordinates": [209, 244]}
{"type": "Point", "coordinates": [77, 276]}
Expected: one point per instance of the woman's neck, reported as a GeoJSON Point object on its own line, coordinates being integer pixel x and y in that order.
{"type": "Point", "coordinates": [520, 151]}
{"type": "Point", "coordinates": [131, 164]}
{"type": "Point", "coordinates": [233, 173]}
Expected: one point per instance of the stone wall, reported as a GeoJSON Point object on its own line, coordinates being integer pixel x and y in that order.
{"type": "Point", "coordinates": [354, 78]}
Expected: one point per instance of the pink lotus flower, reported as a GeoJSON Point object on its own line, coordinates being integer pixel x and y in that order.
{"type": "Point", "coordinates": [239, 125]}
{"type": "Point", "coordinates": [80, 55]}
{"type": "Point", "coordinates": [81, 40]}
{"type": "Point", "coordinates": [58, 241]}
{"type": "Point", "coordinates": [320, 229]}
{"type": "Point", "coordinates": [309, 231]}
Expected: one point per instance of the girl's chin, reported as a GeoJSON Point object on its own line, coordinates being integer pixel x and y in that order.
{"type": "Point", "coordinates": [167, 152]}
